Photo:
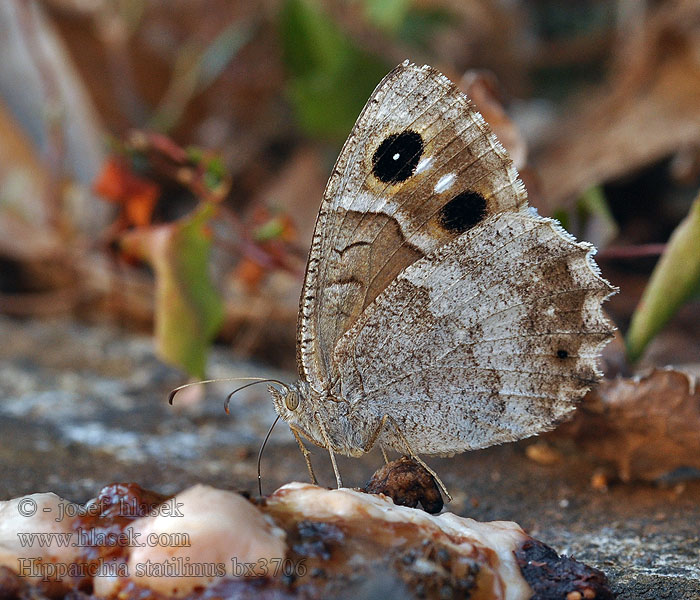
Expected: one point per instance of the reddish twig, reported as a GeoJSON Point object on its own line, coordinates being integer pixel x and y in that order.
{"type": "Point", "coordinates": [631, 252]}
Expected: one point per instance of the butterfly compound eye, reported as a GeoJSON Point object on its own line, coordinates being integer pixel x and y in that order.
{"type": "Point", "coordinates": [291, 400]}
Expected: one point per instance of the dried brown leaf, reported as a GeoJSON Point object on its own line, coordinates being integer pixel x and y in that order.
{"type": "Point", "coordinates": [136, 195]}
{"type": "Point", "coordinates": [26, 230]}
{"type": "Point", "coordinates": [648, 110]}
{"type": "Point", "coordinates": [482, 88]}
{"type": "Point", "coordinates": [645, 426]}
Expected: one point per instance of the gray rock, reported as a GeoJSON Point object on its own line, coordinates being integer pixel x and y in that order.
{"type": "Point", "coordinates": [82, 406]}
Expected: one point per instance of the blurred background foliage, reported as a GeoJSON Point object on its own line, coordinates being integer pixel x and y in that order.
{"type": "Point", "coordinates": [162, 161]}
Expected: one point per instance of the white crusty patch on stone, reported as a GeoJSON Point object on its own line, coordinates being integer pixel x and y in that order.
{"type": "Point", "coordinates": [221, 526]}
{"type": "Point", "coordinates": [42, 517]}
{"type": "Point", "coordinates": [503, 537]}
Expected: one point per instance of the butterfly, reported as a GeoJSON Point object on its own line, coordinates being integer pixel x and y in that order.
{"type": "Point", "coordinates": [439, 313]}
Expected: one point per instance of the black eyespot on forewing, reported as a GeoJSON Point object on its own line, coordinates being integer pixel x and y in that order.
{"type": "Point", "coordinates": [562, 354]}
{"type": "Point", "coordinates": [396, 158]}
{"type": "Point", "coordinates": [464, 211]}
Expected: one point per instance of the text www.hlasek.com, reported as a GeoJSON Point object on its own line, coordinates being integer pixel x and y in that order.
{"type": "Point", "coordinates": [89, 537]}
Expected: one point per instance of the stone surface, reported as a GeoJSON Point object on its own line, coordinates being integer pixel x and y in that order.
{"type": "Point", "coordinates": [81, 407]}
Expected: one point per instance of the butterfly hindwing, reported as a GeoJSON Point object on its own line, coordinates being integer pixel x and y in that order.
{"type": "Point", "coordinates": [420, 168]}
{"type": "Point", "coordinates": [492, 337]}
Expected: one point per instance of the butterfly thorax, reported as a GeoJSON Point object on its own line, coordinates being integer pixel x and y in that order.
{"type": "Point", "coordinates": [307, 411]}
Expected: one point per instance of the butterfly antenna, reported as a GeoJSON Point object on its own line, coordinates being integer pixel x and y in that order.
{"type": "Point", "coordinates": [228, 398]}
{"type": "Point", "coordinates": [173, 392]}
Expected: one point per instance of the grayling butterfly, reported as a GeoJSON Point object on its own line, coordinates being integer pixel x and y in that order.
{"type": "Point", "coordinates": [439, 313]}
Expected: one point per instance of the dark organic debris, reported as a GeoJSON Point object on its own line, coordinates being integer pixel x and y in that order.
{"type": "Point", "coordinates": [407, 483]}
{"type": "Point", "coordinates": [317, 539]}
{"type": "Point", "coordinates": [554, 577]}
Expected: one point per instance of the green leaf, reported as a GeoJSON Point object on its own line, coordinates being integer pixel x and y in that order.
{"type": "Point", "coordinates": [675, 279]}
{"type": "Point", "coordinates": [405, 20]}
{"type": "Point", "coordinates": [421, 25]}
{"type": "Point", "coordinates": [596, 220]}
{"type": "Point", "coordinates": [590, 218]}
{"type": "Point", "coordinates": [216, 169]}
{"type": "Point", "coordinates": [269, 231]}
{"type": "Point", "coordinates": [389, 15]}
{"type": "Point", "coordinates": [188, 311]}
{"type": "Point", "coordinates": [195, 154]}
{"type": "Point", "coordinates": [330, 78]}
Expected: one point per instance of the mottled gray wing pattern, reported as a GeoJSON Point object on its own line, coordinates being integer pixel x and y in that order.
{"type": "Point", "coordinates": [490, 338]}
{"type": "Point", "coordinates": [420, 167]}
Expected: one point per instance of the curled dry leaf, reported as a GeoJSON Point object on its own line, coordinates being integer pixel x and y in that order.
{"type": "Point", "coordinates": [645, 427]}
{"type": "Point", "coordinates": [135, 195]}
{"type": "Point", "coordinates": [482, 88]}
{"type": "Point", "coordinates": [26, 228]}
{"type": "Point", "coordinates": [188, 310]}
{"type": "Point", "coordinates": [649, 110]}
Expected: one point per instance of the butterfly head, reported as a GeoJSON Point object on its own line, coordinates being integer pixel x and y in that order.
{"type": "Point", "coordinates": [293, 404]}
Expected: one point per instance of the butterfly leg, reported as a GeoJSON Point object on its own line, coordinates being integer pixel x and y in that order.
{"type": "Point", "coordinates": [415, 457]}
{"type": "Point", "coordinates": [386, 458]}
{"type": "Point", "coordinates": [372, 440]}
{"type": "Point", "coordinates": [330, 450]}
{"type": "Point", "coordinates": [307, 455]}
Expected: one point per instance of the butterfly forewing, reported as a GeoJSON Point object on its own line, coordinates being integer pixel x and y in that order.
{"type": "Point", "coordinates": [419, 169]}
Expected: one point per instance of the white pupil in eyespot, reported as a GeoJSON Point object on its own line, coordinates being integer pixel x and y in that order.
{"type": "Point", "coordinates": [396, 156]}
